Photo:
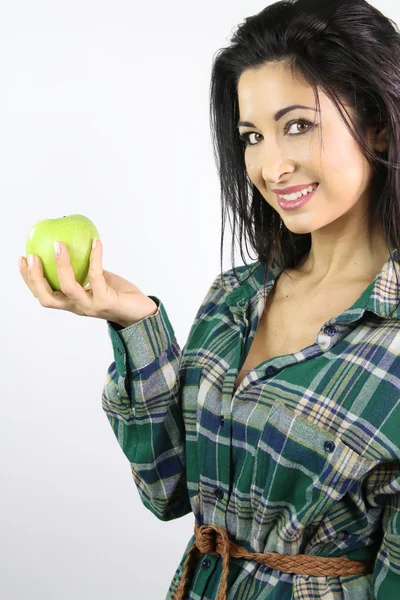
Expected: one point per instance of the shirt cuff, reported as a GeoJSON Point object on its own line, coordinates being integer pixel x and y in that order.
{"type": "Point", "coordinates": [143, 342]}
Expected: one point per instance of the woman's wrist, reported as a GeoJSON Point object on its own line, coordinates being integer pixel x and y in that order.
{"type": "Point", "coordinates": [152, 309]}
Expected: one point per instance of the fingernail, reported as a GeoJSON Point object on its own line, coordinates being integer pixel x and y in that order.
{"type": "Point", "coordinates": [94, 243]}
{"type": "Point", "coordinates": [57, 248]}
{"type": "Point", "coordinates": [31, 260]}
{"type": "Point", "coordinates": [20, 261]}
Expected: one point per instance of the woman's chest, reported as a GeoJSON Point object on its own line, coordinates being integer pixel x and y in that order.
{"type": "Point", "coordinates": [291, 321]}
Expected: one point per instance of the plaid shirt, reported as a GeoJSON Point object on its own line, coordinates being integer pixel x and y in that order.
{"type": "Point", "coordinates": [303, 458]}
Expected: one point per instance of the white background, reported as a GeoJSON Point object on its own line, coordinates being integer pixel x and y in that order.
{"type": "Point", "coordinates": [104, 111]}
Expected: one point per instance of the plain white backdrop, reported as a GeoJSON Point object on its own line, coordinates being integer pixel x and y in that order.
{"type": "Point", "coordinates": [104, 111]}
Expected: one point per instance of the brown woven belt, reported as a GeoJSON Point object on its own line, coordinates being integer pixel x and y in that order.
{"type": "Point", "coordinates": [211, 539]}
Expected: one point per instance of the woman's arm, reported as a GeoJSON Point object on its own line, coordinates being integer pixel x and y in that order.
{"type": "Point", "coordinates": [142, 398]}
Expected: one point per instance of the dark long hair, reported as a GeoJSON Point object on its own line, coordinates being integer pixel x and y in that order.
{"type": "Point", "coordinates": [352, 52]}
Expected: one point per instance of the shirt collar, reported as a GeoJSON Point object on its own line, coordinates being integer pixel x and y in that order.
{"type": "Point", "coordinates": [380, 297]}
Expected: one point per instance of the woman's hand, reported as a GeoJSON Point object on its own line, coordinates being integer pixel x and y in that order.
{"type": "Point", "coordinates": [107, 296]}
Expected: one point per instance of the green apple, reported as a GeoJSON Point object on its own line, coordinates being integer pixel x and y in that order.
{"type": "Point", "coordinates": [76, 232]}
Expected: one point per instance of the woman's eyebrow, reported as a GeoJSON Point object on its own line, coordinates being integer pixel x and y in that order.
{"type": "Point", "coordinates": [279, 114]}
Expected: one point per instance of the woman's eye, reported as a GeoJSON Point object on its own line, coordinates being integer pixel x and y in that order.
{"type": "Point", "coordinates": [244, 137]}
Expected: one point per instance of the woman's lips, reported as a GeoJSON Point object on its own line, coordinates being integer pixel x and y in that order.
{"type": "Point", "coordinates": [293, 204]}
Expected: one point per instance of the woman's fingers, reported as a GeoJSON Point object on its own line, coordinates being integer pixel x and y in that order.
{"type": "Point", "coordinates": [72, 294]}
{"type": "Point", "coordinates": [39, 285]}
{"type": "Point", "coordinates": [68, 284]}
{"type": "Point", "coordinates": [95, 300]}
{"type": "Point", "coordinates": [96, 276]}
{"type": "Point", "coordinates": [23, 269]}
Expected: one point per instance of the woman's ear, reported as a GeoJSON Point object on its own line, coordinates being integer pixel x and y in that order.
{"type": "Point", "coordinates": [381, 140]}
{"type": "Point", "coordinates": [377, 135]}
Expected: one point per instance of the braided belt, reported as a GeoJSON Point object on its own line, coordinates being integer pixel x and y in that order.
{"type": "Point", "coordinates": [212, 539]}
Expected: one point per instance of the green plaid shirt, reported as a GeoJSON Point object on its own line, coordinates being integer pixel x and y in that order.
{"type": "Point", "coordinates": [303, 458]}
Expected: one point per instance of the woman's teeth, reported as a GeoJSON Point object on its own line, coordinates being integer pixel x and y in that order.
{"type": "Point", "coordinates": [299, 194]}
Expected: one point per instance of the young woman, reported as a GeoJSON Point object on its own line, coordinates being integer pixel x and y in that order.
{"type": "Point", "coordinates": [278, 423]}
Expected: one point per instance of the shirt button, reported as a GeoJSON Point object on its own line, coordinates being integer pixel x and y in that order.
{"type": "Point", "coordinates": [271, 371]}
{"type": "Point", "coordinates": [219, 493]}
{"type": "Point", "coordinates": [222, 420]}
{"type": "Point", "coordinates": [206, 563]}
{"type": "Point", "coordinates": [329, 446]}
{"type": "Point", "coordinates": [330, 330]}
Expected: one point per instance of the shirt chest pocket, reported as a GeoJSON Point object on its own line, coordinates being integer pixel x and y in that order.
{"type": "Point", "coordinates": [300, 471]}
{"type": "Point", "coordinates": [189, 392]}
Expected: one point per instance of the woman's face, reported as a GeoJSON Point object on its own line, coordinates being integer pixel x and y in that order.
{"type": "Point", "coordinates": [275, 160]}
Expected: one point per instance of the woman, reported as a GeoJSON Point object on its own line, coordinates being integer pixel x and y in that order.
{"type": "Point", "coordinates": [277, 424]}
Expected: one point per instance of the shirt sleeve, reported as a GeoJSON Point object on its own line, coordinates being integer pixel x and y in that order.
{"type": "Point", "coordinates": [143, 403]}
{"type": "Point", "coordinates": [386, 574]}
